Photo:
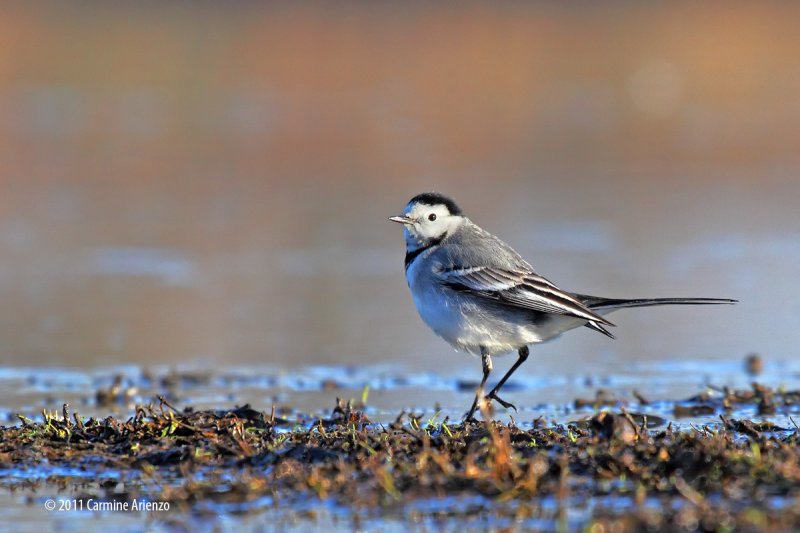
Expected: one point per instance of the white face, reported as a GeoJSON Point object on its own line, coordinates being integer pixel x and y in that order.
{"type": "Point", "coordinates": [429, 222]}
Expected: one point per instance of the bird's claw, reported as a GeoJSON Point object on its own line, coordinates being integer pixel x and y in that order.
{"type": "Point", "coordinates": [495, 397]}
{"type": "Point", "coordinates": [470, 416]}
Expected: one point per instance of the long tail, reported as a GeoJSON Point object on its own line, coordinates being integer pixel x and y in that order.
{"type": "Point", "coordinates": [601, 304]}
{"type": "Point", "coordinates": [606, 305]}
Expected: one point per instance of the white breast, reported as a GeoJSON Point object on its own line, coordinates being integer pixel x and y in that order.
{"type": "Point", "coordinates": [441, 313]}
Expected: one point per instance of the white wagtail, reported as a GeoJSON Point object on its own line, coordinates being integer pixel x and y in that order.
{"type": "Point", "coordinates": [479, 295]}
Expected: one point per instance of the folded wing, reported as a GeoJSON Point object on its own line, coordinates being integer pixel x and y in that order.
{"type": "Point", "coordinates": [518, 288]}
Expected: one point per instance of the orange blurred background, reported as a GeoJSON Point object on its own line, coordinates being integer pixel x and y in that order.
{"type": "Point", "coordinates": [205, 183]}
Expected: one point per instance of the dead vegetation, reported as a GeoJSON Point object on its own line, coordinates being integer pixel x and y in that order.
{"type": "Point", "coordinates": [723, 476]}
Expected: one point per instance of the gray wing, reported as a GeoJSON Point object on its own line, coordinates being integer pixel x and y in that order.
{"type": "Point", "coordinates": [486, 267]}
{"type": "Point", "coordinates": [522, 289]}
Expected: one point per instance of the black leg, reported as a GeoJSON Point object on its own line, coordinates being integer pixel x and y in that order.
{"type": "Point", "coordinates": [523, 355]}
{"type": "Point", "coordinates": [486, 361]}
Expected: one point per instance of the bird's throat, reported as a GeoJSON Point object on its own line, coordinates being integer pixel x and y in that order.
{"type": "Point", "coordinates": [411, 255]}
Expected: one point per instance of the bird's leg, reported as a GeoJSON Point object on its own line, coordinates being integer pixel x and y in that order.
{"type": "Point", "coordinates": [523, 355]}
{"type": "Point", "coordinates": [486, 361]}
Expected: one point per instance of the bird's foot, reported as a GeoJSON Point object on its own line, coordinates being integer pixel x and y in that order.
{"type": "Point", "coordinates": [493, 396]}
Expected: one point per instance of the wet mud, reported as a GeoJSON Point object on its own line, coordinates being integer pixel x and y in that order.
{"type": "Point", "coordinates": [612, 469]}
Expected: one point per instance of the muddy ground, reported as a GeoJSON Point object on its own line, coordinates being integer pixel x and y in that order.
{"type": "Point", "coordinates": [612, 470]}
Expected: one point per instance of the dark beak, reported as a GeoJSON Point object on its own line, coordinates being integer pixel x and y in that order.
{"type": "Point", "coordinates": [401, 220]}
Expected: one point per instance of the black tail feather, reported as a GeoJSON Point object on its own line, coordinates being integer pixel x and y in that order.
{"type": "Point", "coordinates": [599, 304]}
{"type": "Point", "coordinates": [597, 327]}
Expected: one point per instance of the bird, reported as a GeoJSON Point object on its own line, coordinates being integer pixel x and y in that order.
{"type": "Point", "coordinates": [479, 295]}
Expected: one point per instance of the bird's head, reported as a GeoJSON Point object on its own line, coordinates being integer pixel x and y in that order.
{"type": "Point", "coordinates": [427, 218]}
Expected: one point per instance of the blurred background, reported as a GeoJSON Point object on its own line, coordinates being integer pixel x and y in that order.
{"type": "Point", "coordinates": [208, 184]}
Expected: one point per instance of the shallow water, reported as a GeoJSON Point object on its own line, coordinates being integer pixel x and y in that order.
{"type": "Point", "coordinates": [388, 389]}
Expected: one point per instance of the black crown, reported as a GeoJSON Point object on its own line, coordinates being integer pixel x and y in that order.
{"type": "Point", "coordinates": [435, 198]}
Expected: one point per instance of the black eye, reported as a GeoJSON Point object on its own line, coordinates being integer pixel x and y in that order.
{"type": "Point", "coordinates": [432, 217]}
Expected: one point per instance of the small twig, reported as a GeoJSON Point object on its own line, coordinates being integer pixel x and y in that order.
{"type": "Point", "coordinates": [642, 399]}
{"type": "Point", "coordinates": [78, 421]}
{"type": "Point", "coordinates": [65, 414]}
{"type": "Point", "coordinates": [688, 492]}
{"type": "Point", "coordinates": [163, 401]}
{"type": "Point", "coordinates": [630, 420]}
